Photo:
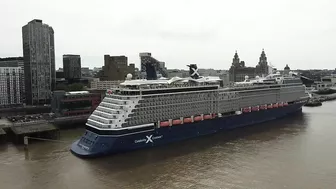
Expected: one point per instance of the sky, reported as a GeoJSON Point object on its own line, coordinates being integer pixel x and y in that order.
{"type": "Point", "coordinates": [300, 33]}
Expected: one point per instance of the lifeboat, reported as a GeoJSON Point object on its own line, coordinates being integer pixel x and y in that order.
{"type": "Point", "coordinates": [263, 107]}
{"type": "Point", "coordinates": [207, 117]}
{"type": "Point", "coordinates": [177, 121]}
{"type": "Point", "coordinates": [281, 104]}
{"type": "Point", "coordinates": [255, 108]}
{"type": "Point", "coordinates": [270, 106]}
{"type": "Point", "coordinates": [285, 104]}
{"type": "Point", "coordinates": [275, 105]}
{"type": "Point", "coordinates": [245, 110]}
{"type": "Point", "coordinates": [164, 123]}
{"type": "Point", "coordinates": [197, 118]}
{"type": "Point", "coordinates": [187, 120]}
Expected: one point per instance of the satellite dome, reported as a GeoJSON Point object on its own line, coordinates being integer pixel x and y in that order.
{"type": "Point", "coordinates": [246, 77]}
{"type": "Point", "coordinates": [257, 77]}
{"type": "Point", "coordinates": [278, 73]}
{"type": "Point", "coordinates": [129, 76]}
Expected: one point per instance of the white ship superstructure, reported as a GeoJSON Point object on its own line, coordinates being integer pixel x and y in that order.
{"type": "Point", "coordinates": [143, 102]}
{"type": "Point", "coordinates": [144, 113]}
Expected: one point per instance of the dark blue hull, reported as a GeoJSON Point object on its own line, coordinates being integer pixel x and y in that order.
{"type": "Point", "coordinates": [93, 144]}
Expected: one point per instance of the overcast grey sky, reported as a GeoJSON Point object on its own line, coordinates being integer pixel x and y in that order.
{"type": "Point", "coordinates": [301, 33]}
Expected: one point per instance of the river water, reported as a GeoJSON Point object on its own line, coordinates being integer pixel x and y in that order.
{"type": "Point", "coordinates": [296, 152]}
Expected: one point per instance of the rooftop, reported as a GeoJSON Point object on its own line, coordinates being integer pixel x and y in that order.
{"type": "Point", "coordinates": [11, 58]}
{"type": "Point", "coordinates": [77, 92]}
{"type": "Point", "coordinates": [71, 55]}
{"type": "Point", "coordinates": [36, 20]}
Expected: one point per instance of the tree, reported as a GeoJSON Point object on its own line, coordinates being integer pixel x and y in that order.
{"type": "Point", "coordinates": [75, 87]}
{"type": "Point", "coordinates": [71, 87]}
{"type": "Point", "coordinates": [61, 86]}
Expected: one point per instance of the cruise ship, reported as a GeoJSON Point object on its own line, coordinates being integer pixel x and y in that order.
{"type": "Point", "coordinates": [147, 113]}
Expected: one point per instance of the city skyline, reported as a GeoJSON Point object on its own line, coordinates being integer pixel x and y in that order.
{"type": "Point", "coordinates": [300, 33]}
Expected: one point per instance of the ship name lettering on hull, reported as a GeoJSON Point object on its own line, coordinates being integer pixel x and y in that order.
{"type": "Point", "coordinates": [148, 139]}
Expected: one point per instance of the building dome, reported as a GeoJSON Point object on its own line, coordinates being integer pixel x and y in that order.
{"type": "Point", "coordinates": [287, 67]}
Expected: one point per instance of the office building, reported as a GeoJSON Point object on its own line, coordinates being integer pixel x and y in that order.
{"type": "Point", "coordinates": [15, 62]}
{"type": "Point", "coordinates": [11, 88]}
{"type": "Point", "coordinates": [104, 85]}
{"type": "Point", "coordinates": [74, 103]}
{"type": "Point", "coordinates": [72, 67]}
{"type": "Point", "coordinates": [116, 68]}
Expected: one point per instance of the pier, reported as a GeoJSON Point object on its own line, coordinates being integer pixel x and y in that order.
{"type": "Point", "coordinates": [39, 128]}
{"type": "Point", "coordinates": [4, 126]}
{"type": "Point", "coordinates": [23, 110]}
{"type": "Point", "coordinates": [2, 136]}
{"type": "Point", "coordinates": [317, 99]}
{"type": "Point", "coordinates": [68, 122]}
{"type": "Point", "coordinates": [16, 127]}
{"type": "Point", "coordinates": [323, 98]}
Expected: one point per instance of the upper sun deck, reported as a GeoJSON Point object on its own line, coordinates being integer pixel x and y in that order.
{"type": "Point", "coordinates": [170, 83]}
{"type": "Point", "coordinates": [175, 84]}
{"type": "Point", "coordinates": [272, 79]}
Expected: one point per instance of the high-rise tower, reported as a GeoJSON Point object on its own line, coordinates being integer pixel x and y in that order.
{"type": "Point", "coordinates": [151, 67]}
{"type": "Point", "coordinates": [39, 61]}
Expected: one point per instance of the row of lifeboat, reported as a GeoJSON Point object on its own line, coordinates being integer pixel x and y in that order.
{"type": "Point", "coordinates": [187, 120]}
{"type": "Point", "coordinates": [264, 107]}
{"type": "Point", "coordinates": [211, 116]}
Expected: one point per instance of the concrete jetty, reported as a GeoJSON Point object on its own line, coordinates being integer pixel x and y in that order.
{"type": "Point", "coordinates": [32, 127]}
{"type": "Point", "coordinates": [68, 122]}
{"type": "Point", "coordinates": [40, 128]}
{"type": "Point", "coordinates": [16, 127]}
{"type": "Point", "coordinates": [317, 99]}
{"type": "Point", "coordinates": [44, 125]}
{"type": "Point", "coordinates": [4, 126]}
{"type": "Point", "coordinates": [323, 98]}
{"type": "Point", "coordinates": [2, 135]}
{"type": "Point", "coordinates": [24, 110]}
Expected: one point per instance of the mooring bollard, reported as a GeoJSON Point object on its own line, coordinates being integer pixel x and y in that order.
{"type": "Point", "coordinates": [25, 142]}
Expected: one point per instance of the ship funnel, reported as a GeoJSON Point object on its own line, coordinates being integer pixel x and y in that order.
{"type": "Point", "coordinates": [151, 71]}
{"type": "Point", "coordinates": [193, 71]}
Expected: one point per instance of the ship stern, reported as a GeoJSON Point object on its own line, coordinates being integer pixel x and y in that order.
{"type": "Point", "coordinates": [92, 145]}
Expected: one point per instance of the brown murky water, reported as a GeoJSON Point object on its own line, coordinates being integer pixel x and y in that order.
{"type": "Point", "coordinates": [296, 152]}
